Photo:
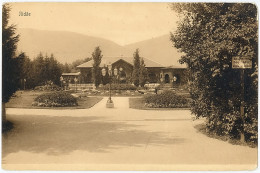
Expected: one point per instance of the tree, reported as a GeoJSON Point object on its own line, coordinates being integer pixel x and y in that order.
{"type": "Point", "coordinates": [39, 70]}
{"type": "Point", "coordinates": [78, 62]}
{"type": "Point", "coordinates": [143, 76]}
{"type": "Point", "coordinates": [55, 70]}
{"type": "Point", "coordinates": [66, 68]}
{"type": "Point", "coordinates": [210, 34]}
{"type": "Point", "coordinates": [25, 71]}
{"type": "Point", "coordinates": [45, 69]}
{"type": "Point", "coordinates": [136, 68]}
{"type": "Point", "coordinates": [9, 44]}
{"type": "Point", "coordinates": [96, 73]}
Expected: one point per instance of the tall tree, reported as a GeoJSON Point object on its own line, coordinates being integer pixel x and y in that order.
{"type": "Point", "coordinates": [210, 34]}
{"type": "Point", "coordinates": [136, 68]}
{"type": "Point", "coordinates": [66, 68]}
{"type": "Point", "coordinates": [39, 70]}
{"type": "Point", "coordinates": [9, 45]}
{"type": "Point", "coordinates": [96, 73]}
{"type": "Point", "coordinates": [143, 76]}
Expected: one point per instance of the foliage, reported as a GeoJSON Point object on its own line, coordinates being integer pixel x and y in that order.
{"type": "Point", "coordinates": [39, 71]}
{"type": "Point", "coordinates": [167, 99]}
{"type": "Point", "coordinates": [140, 73]}
{"type": "Point", "coordinates": [48, 87]}
{"type": "Point", "coordinates": [55, 99]}
{"type": "Point", "coordinates": [73, 66]}
{"type": "Point", "coordinates": [10, 74]}
{"type": "Point", "coordinates": [143, 73]}
{"type": "Point", "coordinates": [118, 87]}
{"type": "Point", "coordinates": [136, 68]}
{"type": "Point", "coordinates": [210, 34]}
{"type": "Point", "coordinates": [96, 74]}
{"type": "Point", "coordinates": [66, 68]}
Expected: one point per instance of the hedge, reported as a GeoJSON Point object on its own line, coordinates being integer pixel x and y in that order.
{"type": "Point", "coordinates": [167, 99]}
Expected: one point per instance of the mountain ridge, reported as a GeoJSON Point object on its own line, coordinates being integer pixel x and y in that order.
{"type": "Point", "coordinates": [68, 46]}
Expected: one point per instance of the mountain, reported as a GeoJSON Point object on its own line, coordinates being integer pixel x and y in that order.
{"type": "Point", "coordinates": [66, 46]}
{"type": "Point", "coordinates": [69, 46]}
{"type": "Point", "coordinates": [159, 49]}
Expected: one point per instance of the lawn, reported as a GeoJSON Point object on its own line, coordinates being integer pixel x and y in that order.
{"type": "Point", "coordinates": [24, 99]}
{"type": "Point", "coordinates": [139, 103]}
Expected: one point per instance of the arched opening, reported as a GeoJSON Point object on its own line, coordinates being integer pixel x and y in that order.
{"type": "Point", "coordinates": [167, 78]}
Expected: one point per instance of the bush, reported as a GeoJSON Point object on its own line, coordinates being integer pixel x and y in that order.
{"type": "Point", "coordinates": [167, 99]}
{"type": "Point", "coordinates": [55, 99]}
{"type": "Point", "coordinates": [118, 87]}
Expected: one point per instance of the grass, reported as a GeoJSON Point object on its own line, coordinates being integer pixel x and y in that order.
{"type": "Point", "coordinates": [202, 129]}
{"type": "Point", "coordinates": [139, 103]}
{"type": "Point", "coordinates": [24, 99]}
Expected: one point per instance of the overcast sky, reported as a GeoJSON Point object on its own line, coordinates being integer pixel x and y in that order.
{"type": "Point", "coordinates": [122, 23]}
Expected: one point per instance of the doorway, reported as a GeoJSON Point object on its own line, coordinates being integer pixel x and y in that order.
{"type": "Point", "coordinates": [167, 78]}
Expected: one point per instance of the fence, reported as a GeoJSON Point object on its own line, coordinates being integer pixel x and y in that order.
{"type": "Point", "coordinates": [82, 86]}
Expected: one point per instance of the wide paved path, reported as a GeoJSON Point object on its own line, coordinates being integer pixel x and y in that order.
{"type": "Point", "coordinates": [116, 139]}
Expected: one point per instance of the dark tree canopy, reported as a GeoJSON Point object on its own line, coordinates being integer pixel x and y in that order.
{"type": "Point", "coordinates": [96, 73]}
{"type": "Point", "coordinates": [210, 34]}
{"type": "Point", "coordinates": [136, 68]}
{"type": "Point", "coordinates": [143, 76]}
{"type": "Point", "coordinates": [10, 79]}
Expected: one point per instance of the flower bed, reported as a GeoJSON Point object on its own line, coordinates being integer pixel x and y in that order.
{"type": "Point", "coordinates": [52, 87]}
{"type": "Point", "coordinates": [167, 99]}
{"type": "Point", "coordinates": [55, 99]}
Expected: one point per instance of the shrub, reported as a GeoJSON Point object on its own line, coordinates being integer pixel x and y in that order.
{"type": "Point", "coordinates": [167, 99]}
{"type": "Point", "coordinates": [118, 87]}
{"type": "Point", "coordinates": [55, 99]}
{"type": "Point", "coordinates": [215, 86]}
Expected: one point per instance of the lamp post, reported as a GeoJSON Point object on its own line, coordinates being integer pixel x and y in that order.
{"type": "Point", "coordinates": [109, 103]}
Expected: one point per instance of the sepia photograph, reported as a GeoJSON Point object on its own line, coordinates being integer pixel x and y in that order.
{"type": "Point", "coordinates": [129, 86]}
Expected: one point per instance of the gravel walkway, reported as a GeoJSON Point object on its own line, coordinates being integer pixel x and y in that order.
{"type": "Point", "coordinates": [116, 139]}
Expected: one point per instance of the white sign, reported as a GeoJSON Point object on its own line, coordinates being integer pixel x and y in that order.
{"type": "Point", "coordinates": [241, 62]}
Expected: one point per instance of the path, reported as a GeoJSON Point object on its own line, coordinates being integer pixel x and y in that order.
{"type": "Point", "coordinates": [119, 138]}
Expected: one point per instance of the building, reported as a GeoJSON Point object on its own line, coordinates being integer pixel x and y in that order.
{"type": "Point", "coordinates": [70, 77]}
{"type": "Point", "coordinates": [157, 73]}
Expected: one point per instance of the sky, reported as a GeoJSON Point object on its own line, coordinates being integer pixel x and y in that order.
{"type": "Point", "coordinates": [123, 23]}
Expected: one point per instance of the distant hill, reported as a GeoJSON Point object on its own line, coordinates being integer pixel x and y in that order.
{"type": "Point", "coordinates": [69, 46]}
{"type": "Point", "coordinates": [159, 49]}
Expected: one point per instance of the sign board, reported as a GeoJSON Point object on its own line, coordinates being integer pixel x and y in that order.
{"type": "Point", "coordinates": [241, 62]}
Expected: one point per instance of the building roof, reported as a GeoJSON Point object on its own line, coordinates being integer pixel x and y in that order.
{"type": "Point", "coordinates": [107, 60]}
{"type": "Point", "coordinates": [181, 66]}
{"type": "Point", "coordinates": [71, 74]}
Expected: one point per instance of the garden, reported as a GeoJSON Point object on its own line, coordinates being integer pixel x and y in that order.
{"type": "Point", "coordinates": [164, 100]}
{"type": "Point", "coordinates": [51, 97]}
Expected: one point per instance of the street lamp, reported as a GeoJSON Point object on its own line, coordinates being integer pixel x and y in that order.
{"type": "Point", "coordinates": [109, 103]}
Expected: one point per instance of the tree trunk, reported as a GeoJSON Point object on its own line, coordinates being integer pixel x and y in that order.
{"type": "Point", "coordinates": [3, 113]}
{"type": "Point", "coordinates": [242, 137]}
